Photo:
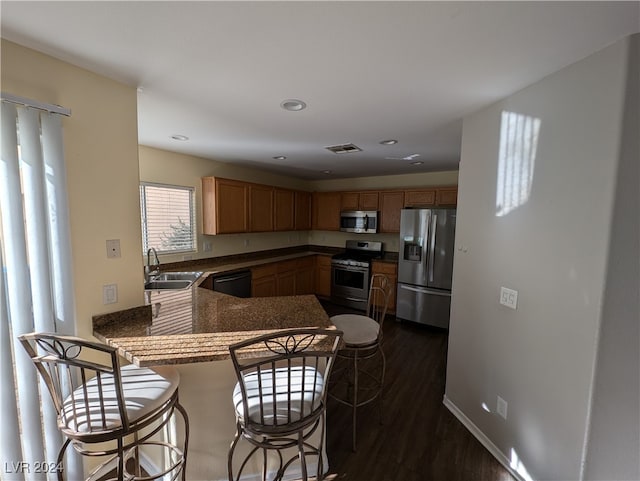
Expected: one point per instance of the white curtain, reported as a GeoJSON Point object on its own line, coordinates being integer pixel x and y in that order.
{"type": "Point", "coordinates": [36, 289]}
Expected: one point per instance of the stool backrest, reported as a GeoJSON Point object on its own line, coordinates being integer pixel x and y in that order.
{"type": "Point", "coordinates": [300, 360]}
{"type": "Point", "coordinates": [66, 364]}
{"type": "Point", "coordinates": [379, 295]}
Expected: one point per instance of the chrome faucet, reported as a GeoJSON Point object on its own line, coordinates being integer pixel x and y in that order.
{"type": "Point", "coordinates": [147, 269]}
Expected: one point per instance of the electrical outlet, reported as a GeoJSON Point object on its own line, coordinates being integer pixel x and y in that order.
{"type": "Point", "coordinates": [509, 297]}
{"type": "Point", "coordinates": [501, 407]}
{"type": "Point", "coordinates": [110, 294]}
{"type": "Point", "coordinates": [113, 248]}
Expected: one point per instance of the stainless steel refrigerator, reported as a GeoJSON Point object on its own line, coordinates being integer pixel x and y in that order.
{"type": "Point", "coordinates": [425, 265]}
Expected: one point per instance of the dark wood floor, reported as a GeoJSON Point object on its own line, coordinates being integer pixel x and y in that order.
{"type": "Point", "coordinates": [419, 439]}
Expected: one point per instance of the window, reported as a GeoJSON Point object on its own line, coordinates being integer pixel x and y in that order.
{"type": "Point", "coordinates": [167, 213]}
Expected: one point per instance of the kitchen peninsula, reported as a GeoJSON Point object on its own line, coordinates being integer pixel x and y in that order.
{"type": "Point", "coordinates": [192, 329]}
{"type": "Point", "coordinates": [198, 325]}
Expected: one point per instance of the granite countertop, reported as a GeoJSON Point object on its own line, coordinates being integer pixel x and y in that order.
{"type": "Point", "coordinates": [215, 265]}
{"type": "Point", "coordinates": [198, 325]}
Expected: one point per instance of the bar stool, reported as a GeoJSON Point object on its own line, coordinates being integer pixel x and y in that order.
{"type": "Point", "coordinates": [353, 384]}
{"type": "Point", "coordinates": [98, 401]}
{"type": "Point", "coordinates": [280, 397]}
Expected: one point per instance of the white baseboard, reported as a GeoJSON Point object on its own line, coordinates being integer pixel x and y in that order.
{"type": "Point", "coordinates": [480, 436]}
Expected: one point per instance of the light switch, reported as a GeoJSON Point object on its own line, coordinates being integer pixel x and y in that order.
{"type": "Point", "coordinates": [509, 297]}
{"type": "Point", "coordinates": [113, 248]}
{"type": "Point", "coordinates": [110, 294]}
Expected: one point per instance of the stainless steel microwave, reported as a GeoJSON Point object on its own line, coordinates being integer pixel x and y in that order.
{"type": "Point", "coordinates": [359, 221]}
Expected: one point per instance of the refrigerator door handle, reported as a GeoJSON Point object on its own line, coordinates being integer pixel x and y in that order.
{"type": "Point", "coordinates": [425, 291]}
{"type": "Point", "coordinates": [432, 245]}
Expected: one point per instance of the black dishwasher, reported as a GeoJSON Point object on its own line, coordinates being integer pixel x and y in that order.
{"type": "Point", "coordinates": [237, 283]}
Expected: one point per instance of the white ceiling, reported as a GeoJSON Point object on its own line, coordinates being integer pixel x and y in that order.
{"type": "Point", "coordinates": [369, 71]}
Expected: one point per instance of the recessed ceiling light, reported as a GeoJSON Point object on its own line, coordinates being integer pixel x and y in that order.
{"type": "Point", "coordinates": [417, 162]}
{"type": "Point", "coordinates": [327, 172]}
{"type": "Point", "coordinates": [279, 157]}
{"type": "Point", "coordinates": [389, 142]}
{"type": "Point", "coordinates": [179, 137]}
{"type": "Point", "coordinates": [293, 105]}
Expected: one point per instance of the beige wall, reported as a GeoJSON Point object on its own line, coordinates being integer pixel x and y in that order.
{"type": "Point", "coordinates": [172, 168]}
{"type": "Point", "coordinates": [424, 179]}
{"type": "Point", "coordinates": [102, 172]}
{"type": "Point", "coordinates": [166, 167]}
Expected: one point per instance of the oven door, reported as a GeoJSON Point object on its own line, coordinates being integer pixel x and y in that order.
{"type": "Point", "coordinates": [350, 286]}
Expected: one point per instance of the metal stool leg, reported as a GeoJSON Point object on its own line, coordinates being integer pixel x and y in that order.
{"type": "Point", "coordinates": [355, 397]}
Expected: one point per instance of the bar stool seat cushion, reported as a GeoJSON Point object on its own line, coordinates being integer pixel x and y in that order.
{"type": "Point", "coordinates": [304, 399]}
{"type": "Point", "coordinates": [145, 390]}
{"type": "Point", "coordinates": [358, 330]}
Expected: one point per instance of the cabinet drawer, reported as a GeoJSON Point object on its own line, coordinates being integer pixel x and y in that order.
{"type": "Point", "coordinates": [323, 261]}
{"type": "Point", "coordinates": [286, 266]}
{"type": "Point", "coordinates": [263, 271]}
{"type": "Point", "coordinates": [385, 268]}
{"type": "Point", "coordinates": [305, 263]}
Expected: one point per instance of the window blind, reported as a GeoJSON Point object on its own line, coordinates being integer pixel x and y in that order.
{"type": "Point", "coordinates": [167, 214]}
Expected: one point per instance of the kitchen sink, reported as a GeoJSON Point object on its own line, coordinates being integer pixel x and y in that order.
{"type": "Point", "coordinates": [172, 281]}
{"type": "Point", "coordinates": [177, 276]}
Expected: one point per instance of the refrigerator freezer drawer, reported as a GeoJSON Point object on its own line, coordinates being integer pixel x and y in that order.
{"type": "Point", "coordinates": [422, 305]}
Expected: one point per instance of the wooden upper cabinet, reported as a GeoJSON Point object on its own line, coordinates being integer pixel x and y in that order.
{"type": "Point", "coordinates": [302, 210]}
{"type": "Point", "coordinates": [349, 201]}
{"type": "Point", "coordinates": [447, 196]}
{"type": "Point", "coordinates": [284, 210]}
{"type": "Point", "coordinates": [260, 208]}
{"type": "Point", "coordinates": [359, 201]}
{"type": "Point", "coordinates": [326, 211]}
{"type": "Point", "coordinates": [224, 206]}
{"type": "Point", "coordinates": [368, 201]}
{"type": "Point", "coordinates": [419, 198]}
{"type": "Point", "coordinates": [391, 203]}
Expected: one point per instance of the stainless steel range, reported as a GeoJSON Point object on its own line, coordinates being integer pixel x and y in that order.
{"type": "Point", "coordinates": [351, 271]}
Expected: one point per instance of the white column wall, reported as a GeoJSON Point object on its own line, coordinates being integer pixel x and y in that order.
{"type": "Point", "coordinates": [551, 247]}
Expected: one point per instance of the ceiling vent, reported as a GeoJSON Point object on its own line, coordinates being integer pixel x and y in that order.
{"type": "Point", "coordinates": [344, 149]}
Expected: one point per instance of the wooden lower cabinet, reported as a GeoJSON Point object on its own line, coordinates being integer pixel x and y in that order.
{"type": "Point", "coordinates": [305, 275]}
{"type": "Point", "coordinates": [286, 283]}
{"type": "Point", "coordinates": [390, 270]}
{"type": "Point", "coordinates": [264, 280]}
{"type": "Point", "coordinates": [286, 278]}
{"type": "Point", "coordinates": [323, 276]}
